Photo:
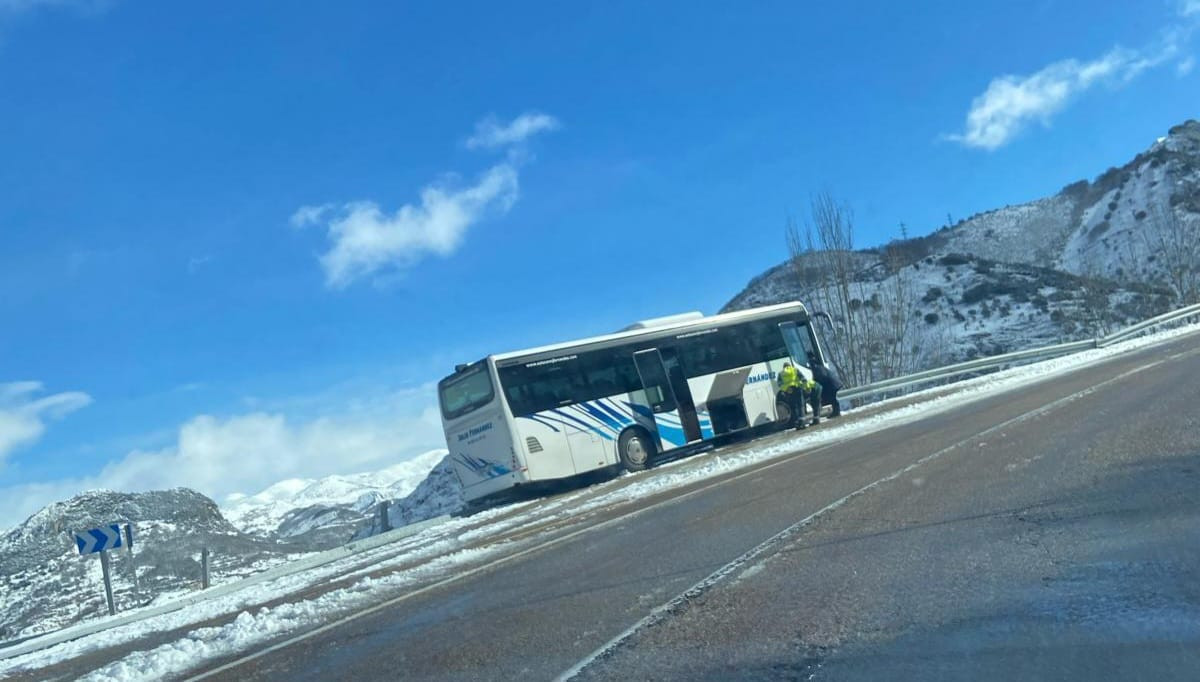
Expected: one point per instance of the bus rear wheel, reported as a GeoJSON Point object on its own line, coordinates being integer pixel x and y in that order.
{"type": "Point", "coordinates": [635, 449]}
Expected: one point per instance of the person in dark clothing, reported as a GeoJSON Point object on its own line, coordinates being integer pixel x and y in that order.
{"type": "Point", "coordinates": [830, 385]}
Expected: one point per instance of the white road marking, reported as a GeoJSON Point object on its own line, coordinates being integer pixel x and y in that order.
{"type": "Point", "coordinates": [497, 562]}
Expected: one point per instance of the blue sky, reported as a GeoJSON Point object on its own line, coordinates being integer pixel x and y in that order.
{"type": "Point", "coordinates": [238, 243]}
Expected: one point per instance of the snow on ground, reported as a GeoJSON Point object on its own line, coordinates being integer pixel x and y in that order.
{"type": "Point", "coordinates": [249, 629]}
{"type": "Point", "coordinates": [442, 545]}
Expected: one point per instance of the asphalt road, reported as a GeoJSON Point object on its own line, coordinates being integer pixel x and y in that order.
{"type": "Point", "coordinates": [1047, 533]}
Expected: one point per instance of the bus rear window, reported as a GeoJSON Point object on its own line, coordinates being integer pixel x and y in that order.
{"type": "Point", "coordinates": [466, 392]}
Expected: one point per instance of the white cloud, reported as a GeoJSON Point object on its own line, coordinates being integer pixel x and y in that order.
{"type": "Point", "coordinates": [366, 240]}
{"type": "Point", "coordinates": [1189, 8]}
{"type": "Point", "coordinates": [1012, 103]}
{"type": "Point", "coordinates": [491, 134]}
{"type": "Point", "coordinates": [23, 415]}
{"type": "Point", "coordinates": [1185, 67]}
{"type": "Point", "coordinates": [309, 215]}
{"type": "Point", "coordinates": [246, 453]}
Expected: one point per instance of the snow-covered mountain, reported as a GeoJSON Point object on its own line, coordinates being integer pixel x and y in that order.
{"type": "Point", "coordinates": [1092, 257]}
{"type": "Point", "coordinates": [295, 506]}
{"type": "Point", "coordinates": [440, 493]}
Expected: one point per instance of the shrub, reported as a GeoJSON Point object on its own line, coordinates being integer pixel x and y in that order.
{"type": "Point", "coordinates": [954, 259]}
{"type": "Point", "coordinates": [931, 318]}
{"type": "Point", "coordinates": [980, 292]}
{"type": "Point", "coordinates": [932, 295]}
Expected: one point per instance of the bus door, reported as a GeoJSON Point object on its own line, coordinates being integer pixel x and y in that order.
{"type": "Point", "coordinates": [798, 343]}
{"type": "Point", "coordinates": [668, 397]}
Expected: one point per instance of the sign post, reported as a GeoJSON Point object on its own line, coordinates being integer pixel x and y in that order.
{"type": "Point", "coordinates": [101, 540]}
{"type": "Point", "coordinates": [104, 566]}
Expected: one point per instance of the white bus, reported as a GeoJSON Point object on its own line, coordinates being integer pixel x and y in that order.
{"type": "Point", "coordinates": [556, 412]}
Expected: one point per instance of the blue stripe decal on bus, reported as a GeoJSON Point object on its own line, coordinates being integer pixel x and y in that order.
{"type": "Point", "coordinates": [602, 416]}
{"type": "Point", "coordinates": [567, 426]}
{"type": "Point", "coordinates": [672, 435]}
{"type": "Point", "coordinates": [540, 420]}
{"type": "Point", "coordinates": [586, 416]}
{"type": "Point", "coordinates": [621, 416]}
{"type": "Point", "coordinates": [641, 410]}
{"type": "Point", "coordinates": [586, 425]}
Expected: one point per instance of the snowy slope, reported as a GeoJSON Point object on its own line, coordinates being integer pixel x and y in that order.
{"type": "Point", "coordinates": [440, 493]}
{"type": "Point", "coordinates": [1101, 228]}
{"type": "Point", "coordinates": [46, 584]}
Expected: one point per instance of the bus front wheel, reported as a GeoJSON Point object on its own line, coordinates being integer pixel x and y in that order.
{"type": "Point", "coordinates": [783, 412]}
{"type": "Point", "coordinates": [635, 448]}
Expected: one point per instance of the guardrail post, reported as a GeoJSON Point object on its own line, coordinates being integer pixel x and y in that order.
{"type": "Point", "coordinates": [384, 523]}
{"type": "Point", "coordinates": [204, 569]}
{"type": "Point", "coordinates": [129, 553]}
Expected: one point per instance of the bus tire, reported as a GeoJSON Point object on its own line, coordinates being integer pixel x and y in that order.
{"type": "Point", "coordinates": [636, 449]}
{"type": "Point", "coordinates": [783, 412]}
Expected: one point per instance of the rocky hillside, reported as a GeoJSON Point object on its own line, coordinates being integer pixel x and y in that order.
{"type": "Point", "coordinates": [46, 583]}
{"type": "Point", "coordinates": [1092, 257]}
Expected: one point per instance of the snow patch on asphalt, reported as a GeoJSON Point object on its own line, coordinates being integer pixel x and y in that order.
{"type": "Point", "coordinates": [251, 628]}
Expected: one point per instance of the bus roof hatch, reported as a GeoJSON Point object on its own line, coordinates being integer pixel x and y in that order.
{"type": "Point", "coordinates": [663, 321]}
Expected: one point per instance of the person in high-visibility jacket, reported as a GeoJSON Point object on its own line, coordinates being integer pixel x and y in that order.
{"type": "Point", "coordinates": [793, 389]}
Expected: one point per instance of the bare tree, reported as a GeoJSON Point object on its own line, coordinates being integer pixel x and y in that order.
{"type": "Point", "coordinates": [824, 262]}
{"type": "Point", "coordinates": [1174, 242]}
{"type": "Point", "coordinates": [875, 313]}
{"type": "Point", "coordinates": [1095, 307]}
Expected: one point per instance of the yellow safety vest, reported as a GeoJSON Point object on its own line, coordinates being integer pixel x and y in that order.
{"type": "Point", "coordinates": [789, 378]}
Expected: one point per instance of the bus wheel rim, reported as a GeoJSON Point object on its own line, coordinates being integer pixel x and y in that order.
{"type": "Point", "coordinates": [636, 450]}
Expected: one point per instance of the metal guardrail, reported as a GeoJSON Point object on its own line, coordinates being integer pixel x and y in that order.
{"type": "Point", "coordinates": [996, 361]}
{"type": "Point", "coordinates": [1126, 333]}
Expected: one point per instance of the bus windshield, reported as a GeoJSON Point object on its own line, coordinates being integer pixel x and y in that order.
{"type": "Point", "coordinates": [466, 391]}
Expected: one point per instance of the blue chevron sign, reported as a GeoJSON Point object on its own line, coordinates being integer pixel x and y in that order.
{"type": "Point", "coordinates": [98, 539]}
